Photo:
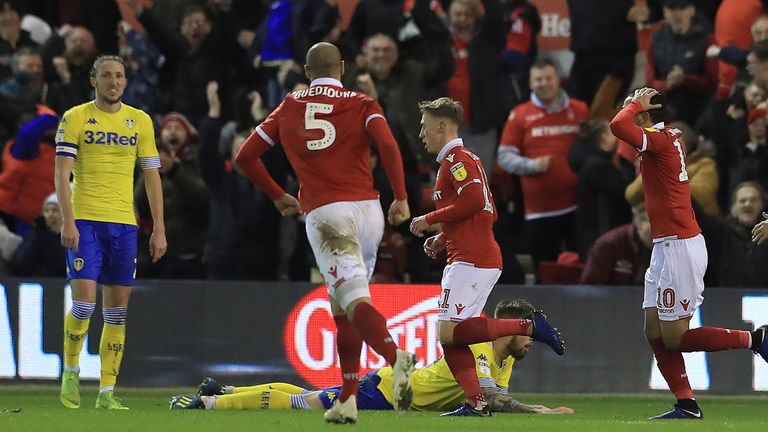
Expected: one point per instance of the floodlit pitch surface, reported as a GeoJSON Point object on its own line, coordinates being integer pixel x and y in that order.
{"type": "Point", "coordinates": [36, 408]}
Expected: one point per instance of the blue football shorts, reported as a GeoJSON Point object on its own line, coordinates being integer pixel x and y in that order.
{"type": "Point", "coordinates": [368, 395]}
{"type": "Point", "coordinates": [106, 253]}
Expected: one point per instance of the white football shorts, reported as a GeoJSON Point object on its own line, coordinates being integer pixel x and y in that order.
{"type": "Point", "coordinates": [345, 237]}
{"type": "Point", "coordinates": [674, 281]}
{"type": "Point", "coordinates": [465, 291]}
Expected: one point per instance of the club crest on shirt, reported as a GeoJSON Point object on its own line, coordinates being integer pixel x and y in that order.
{"type": "Point", "coordinates": [459, 172]}
{"type": "Point", "coordinates": [131, 123]}
{"type": "Point", "coordinates": [79, 264]}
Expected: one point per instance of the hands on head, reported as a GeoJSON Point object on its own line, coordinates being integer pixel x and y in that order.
{"type": "Point", "coordinates": [644, 96]}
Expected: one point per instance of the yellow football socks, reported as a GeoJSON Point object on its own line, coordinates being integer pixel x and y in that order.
{"type": "Point", "coordinates": [111, 353]}
{"type": "Point", "coordinates": [266, 399]}
{"type": "Point", "coordinates": [283, 387]}
{"type": "Point", "coordinates": [75, 331]}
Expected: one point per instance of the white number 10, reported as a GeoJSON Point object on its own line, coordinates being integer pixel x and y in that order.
{"type": "Point", "coordinates": [310, 122]}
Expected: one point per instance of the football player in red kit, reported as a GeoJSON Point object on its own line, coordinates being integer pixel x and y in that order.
{"type": "Point", "coordinates": [325, 131]}
{"type": "Point", "coordinates": [465, 213]}
{"type": "Point", "coordinates": [674, 281]}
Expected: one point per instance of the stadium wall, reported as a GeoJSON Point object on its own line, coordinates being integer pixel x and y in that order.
{"type": "Point", "coordinates": [251, 332]}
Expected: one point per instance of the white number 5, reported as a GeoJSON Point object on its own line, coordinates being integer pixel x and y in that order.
{"type": "Point", "coordinates": [310, 122]}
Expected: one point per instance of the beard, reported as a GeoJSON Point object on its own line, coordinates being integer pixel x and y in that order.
{"type": "Point", "coordinates": [112, 99]}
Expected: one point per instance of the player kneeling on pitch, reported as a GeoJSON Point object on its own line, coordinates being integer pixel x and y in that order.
{"type": "Point", "coordinates": [434, 387]}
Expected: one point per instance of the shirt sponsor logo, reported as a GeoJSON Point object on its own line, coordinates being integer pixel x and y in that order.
{"type": "Point", "coordinates": [110, 138]}
{"type": "Point", "coordinates": [546, 131]}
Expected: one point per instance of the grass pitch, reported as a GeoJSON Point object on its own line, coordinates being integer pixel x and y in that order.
{"type": "Point", "coordinates": [37, 408]}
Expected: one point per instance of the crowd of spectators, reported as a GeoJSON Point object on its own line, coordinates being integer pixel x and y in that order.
{"type": "Point", "coordinates": [208, 71]}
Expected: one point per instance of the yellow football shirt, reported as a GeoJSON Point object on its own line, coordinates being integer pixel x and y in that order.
{"type": "Point", "coordinates": [105, 147]}
{"type": "Point", "coordinates": [434, 387]}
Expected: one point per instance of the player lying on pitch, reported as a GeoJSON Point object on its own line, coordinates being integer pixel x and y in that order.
{"type": "Point", "coordinates": [434, 388]}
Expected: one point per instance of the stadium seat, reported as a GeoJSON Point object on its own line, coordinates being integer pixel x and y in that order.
{"type": "Point", "coordinates": [565, 271]}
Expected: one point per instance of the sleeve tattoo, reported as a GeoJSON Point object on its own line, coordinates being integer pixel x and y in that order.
{"type": "Point", "coordinates": [499, 402]}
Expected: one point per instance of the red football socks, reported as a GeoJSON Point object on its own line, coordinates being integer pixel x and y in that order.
{"type": "Point", "coordinates": [482, 329]}
{"type": "Point", "coordinates": [672, 367]}
{"type": "Point", "coordinates": [461, 361]}
{"type": "Point", "coordinates": [349, 344]}
{"type": "Point", "coordinates": [372, 327]}
{"type": "Point", "coordinates": [713, 339]}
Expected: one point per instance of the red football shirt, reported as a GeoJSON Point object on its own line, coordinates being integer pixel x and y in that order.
{"type": "Point", "coordinates": [465, 208]}
{"type": "Point", "coordinates": [665, 179]}
{"type": "Point", "coordinates": [533, 132]}
{"type": "Point", "coordinates": [326, 131]}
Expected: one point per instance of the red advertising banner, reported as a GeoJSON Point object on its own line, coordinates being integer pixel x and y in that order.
{"type": "Point", "coordinates": [309, 336]}
{"type": "Point", "coordinates": [555, 25]}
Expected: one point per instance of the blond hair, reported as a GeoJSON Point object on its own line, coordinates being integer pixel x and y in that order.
{"type": "Point", "coordinates": [443, 107]}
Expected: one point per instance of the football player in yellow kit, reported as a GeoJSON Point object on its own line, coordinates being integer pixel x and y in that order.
{"type": "Point", "coordinates": [434, 387]}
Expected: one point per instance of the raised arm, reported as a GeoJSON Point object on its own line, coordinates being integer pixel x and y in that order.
{"type": "Point", "coordinates": [625, 129]}
{"type": "Point", "coordinates": [26, 146]}
{"type": "Point", "coordinates": [622, 125]}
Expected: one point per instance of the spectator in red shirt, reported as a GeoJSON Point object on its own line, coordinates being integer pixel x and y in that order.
{"type": "Point", "coordinates": [534, 145]}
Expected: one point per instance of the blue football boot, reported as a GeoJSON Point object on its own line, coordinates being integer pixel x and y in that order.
{"type": "Point", "coordinates": [544, 332]}
{"type": "Point", "coordinates": [678, 413]}
{"type": "Point", "coordinates": [209, 387]}
{"type": "Point", "coordinates": [187, 401]}
{"type": "Point", "coordinates": [467, 410]}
